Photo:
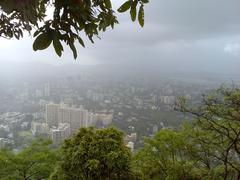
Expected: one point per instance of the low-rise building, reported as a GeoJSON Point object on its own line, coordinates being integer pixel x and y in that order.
{"type": "Point", "coordinates": [4, 142]}
{"type": "Point", "coordinates": [130, 145]}
{"type": "Point", "coordinates": [39, 128]}
{"type": "Point", "coordinates": [59, 134]}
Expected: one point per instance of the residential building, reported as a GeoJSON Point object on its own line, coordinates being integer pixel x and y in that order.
{"type": "Point", "coordinates": [59, 134]}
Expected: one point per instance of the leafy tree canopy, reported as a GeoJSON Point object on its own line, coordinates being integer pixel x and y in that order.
{"type": "Point", "coordinates": [207, 149]}
{"type": "Point", "coordinates": [34, 162]}
{"type": "Point", "coordinates": [68, 23]}
{"type": "Point", "coordinates": [94, 154]}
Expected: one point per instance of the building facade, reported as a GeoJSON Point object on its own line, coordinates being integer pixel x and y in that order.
{"type": "Point", "coordinates": [59, 134]}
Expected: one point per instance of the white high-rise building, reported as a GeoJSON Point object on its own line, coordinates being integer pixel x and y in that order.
{"type": "Point", "coordinates": [75, 117]}
{"type": "Point", "coordinates": [47, 90]}
{"type": "Point", "coordinates": [78, 119]}
{"type": "Point", "coordinates": [64, 115]}
{"type": "Point", "coordinates": [52, 114]}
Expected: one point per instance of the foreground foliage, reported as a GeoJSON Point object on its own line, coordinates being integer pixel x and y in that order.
{"type": "Point", "coordinates": [34, 162]}
{"type": "Point", "coordinates": [94, 154]}
{"type": "Point", "coordinates": [209, 148]}
{"type": "Point", "coordinates": [68, 23]}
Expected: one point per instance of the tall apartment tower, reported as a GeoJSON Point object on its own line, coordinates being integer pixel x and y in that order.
{"type": "Point", "coordinates": [78, 119]}
{"type": "Point", "coordinates": [52, 115]}
{"type": "Point", "coordinates": [75, 117]}
{"type": "Point", "coordinates": [47, 90]}
{"type": "Point", "coordinates": [64, 115]}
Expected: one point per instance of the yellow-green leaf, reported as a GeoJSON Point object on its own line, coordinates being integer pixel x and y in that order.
{"type": "Point", "coordinates": [125, 6]}
{"type": "Point", "coordinates": [108, 4]}
{"type": "Point", "coordinates": [141, 16]}
{"type": "Point", "coordinates": [133, 13]}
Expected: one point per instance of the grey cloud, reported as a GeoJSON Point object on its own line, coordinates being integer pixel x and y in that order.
{"type": "Point", "coordinates": [187, 35]}
{"type": "Point", "coordinates": [180, 20]}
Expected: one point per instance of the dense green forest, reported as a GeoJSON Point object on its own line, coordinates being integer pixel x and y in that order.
{"type": "Point", "coordinates": [207, 148]}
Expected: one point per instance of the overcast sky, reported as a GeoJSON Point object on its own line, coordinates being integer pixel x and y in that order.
{"type": "Point", "coordinates": [195, 35]}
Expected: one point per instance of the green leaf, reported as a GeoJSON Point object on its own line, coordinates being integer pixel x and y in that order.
{"type": "Point", "coordinates": [133, 13]}
{"type": "Point", "coordinates": [125, 6]}
{"type": "Point", "coordinates": [42, 42]}
{"type": "Point", "coordinates": [36, 33]}
{"type": "Point", "coordinates": [81, 41]}
{"type": "Point", "coordinates": [73, 48]}
{"type": "Point", "coordinates": [141, 16]}
{"type": "Point", "coordinates": [57, 46]}
{"type": "Point", "coordinates": [145, 1]}
{"type": "Point", "coordinates": [108, 4]}
{"type": "Point", "coordinates": [91, 39]}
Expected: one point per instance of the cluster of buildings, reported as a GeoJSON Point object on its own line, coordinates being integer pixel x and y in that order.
{"type": "Point", "coordinates": [57, 122]}
{"type": "Point", "coordinates": [43, 92]}
{"type": "Point", "coordinates": [12, 120]}
{"type": "Point", "coordinates": [10, 124]}
{"type": "Point", "coordinates": [4, 142]}
{"type": "Point", "coordinates": [141, 103]}
{"type": "Point", "coordinates": [137, 96]}
{"type": "Point", "coordinates": [63, 121]}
